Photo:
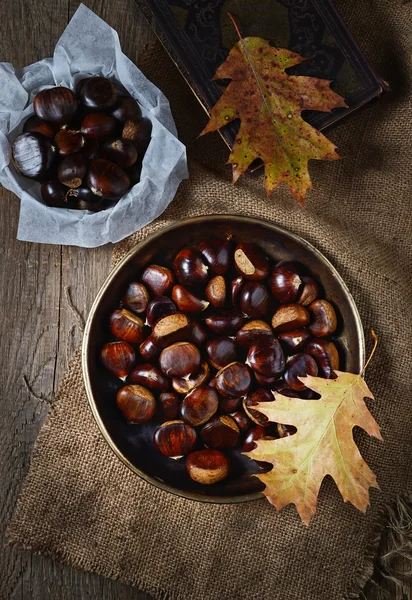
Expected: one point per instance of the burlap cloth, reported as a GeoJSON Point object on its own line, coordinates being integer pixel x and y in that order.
{"type": "Point", "coordinates": [82, 506]}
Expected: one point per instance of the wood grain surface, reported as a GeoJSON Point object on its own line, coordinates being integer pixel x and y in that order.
{"type": "Point", "coordinates": [39, 330]}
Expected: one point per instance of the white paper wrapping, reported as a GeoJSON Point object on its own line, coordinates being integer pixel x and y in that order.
{"type": "Point", "coordinates": [89, 46]}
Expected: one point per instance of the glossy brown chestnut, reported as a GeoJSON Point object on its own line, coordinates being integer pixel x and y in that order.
{"type": "Point", "coordinates": [174, 438]}
{"type": "Point", "coordinates": [326, 356]}
{"type": "Point", "coordinates": [225, 321]}
{"type": "Point", "coordinates": [158, 279]}
{"type": "Point", "coordinates": [158, 308]}
{"type": "Point", "coordinates": [266, 382]}
{"type": "Point", "coordinates": [186, 301]}
{"type": "Point", "coordinates": [294, 341]}
{"type": "Point", "coordinates": [180, 359]}
{"type": "Point", "coordinates": [198, 334]}
{"type": "Point", "coordinates": [72, 170]}
{"type": "Point", "coordinates": [228, 405]}
{"type": "Point", "coordinates": [309, 291]}
{"type": "Point", "coordinates": [149, 350]}
{"type": "Point", "coordinates": [234, 380]}
{"type": "Point", "coordinates": [255, 300]}
{"type": "Point", "coordinates": [254, 398]}
{"type": "Point", "coordinates": [220, 432]}
{"type": "Point", "coordinates": [80, 84]}
{"type": "Point", "coordinates": [289, 317]}
{"type": "Point", "coordinates": [235, 289]}
{"type": "Point", "coordinates": [184, 385]}
{"type": "Point", "coordinates": [168, 406]}
{"type": "Point", "coordinates": [207, 466]}
{"type": "Point", "coordinates": [55, 105]}
{"type": "Point", "coordinates": [216, 291]}
{"type": "Point", "coordinates": [107, 180]}
{"type": "Point", "coordinates": [137, 130]}
{"type": "Point", "coordinates": [92, 206]}
{"type": "Point", "coordinates": [119, 358]}
{"type": "Point", "coordinates": [251, 262]}
{"type": "Point", "coordinates": [286, 430]}
{"type": "Point", "coordinates": [36, 125]}
{"type": "Point", "coordinates": [126, 109]}
{"type": "Point", "coordinates": [285, 283]}
{"type": "Point", "coordinates": [54, 194]}
{"type": "Point", "coordinates": [323, 320]}
{"type": "Point", "coordinates": [221, 352]}
{"type": "Point", "coordinates": [98, 126]}
{"type": "Point", "coordinates": [241, 420]}
{"type": "Point", "coordinates": [68, 142]}
{"type": "Point", "coordinates": [98, 93]}
{"type": "Point", "coordinates": [190, 268]}
{"type": "Point", "coordinates": [32, 155]}
{"type": "Point", "coordinates": [254, 434]}
{"type": "Point", "coordinates": [199, 405]}
{"type": "Point", "coordinates": [121, 152]}
{"type": "Point", "coordinates": [297, 366]}
{"type": "Point", "coordinates": [217, 253]}
{"type": "Point", "coordinates": [150, 376]}
{"type": "Point", "coordinates": [171, 329]}
{"type": "Point", "coordinates": [126, 326]}
{"type": "Point", "coordinates": [136, 403]}
{"type": "Point", "coordinates": [252, 332]}
{"type": "Point", "coordinates": [136, 298]}
{"type": "Point", "coordinates": [85, 195]}
{"type": "Point", "coordinates": [266, 357]}
{"type": "Point", "coordinates": [90, 150]}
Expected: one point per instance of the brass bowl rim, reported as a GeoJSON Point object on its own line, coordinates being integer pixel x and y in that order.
{"type": "Point", "coordinates": [135, 250]}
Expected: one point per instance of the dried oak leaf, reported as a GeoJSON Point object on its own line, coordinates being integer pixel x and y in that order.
{"type": "Point", "coordinates": [269, 103]}
{"type": "Point", "coordinates": [323, 444]}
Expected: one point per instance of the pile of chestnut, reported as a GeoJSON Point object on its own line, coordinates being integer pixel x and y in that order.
{"type": "Point", "coordinates": [200, 344]}
{"type": "Point", "coordinates": [85, 147]}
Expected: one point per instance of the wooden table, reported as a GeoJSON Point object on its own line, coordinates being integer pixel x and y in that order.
{"type": "Point", "coordinates": [38, 329]}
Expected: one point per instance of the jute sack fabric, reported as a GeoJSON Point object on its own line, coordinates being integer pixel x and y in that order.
{"type": "Point", "coordinates": [81, 506]}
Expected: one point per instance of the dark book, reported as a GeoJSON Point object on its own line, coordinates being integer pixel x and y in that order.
{"type": "Point", "coordinates": [198, 36]}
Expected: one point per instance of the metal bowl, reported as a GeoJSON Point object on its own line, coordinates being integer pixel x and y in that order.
{"type": "Point", "coordinates": [133, 444]}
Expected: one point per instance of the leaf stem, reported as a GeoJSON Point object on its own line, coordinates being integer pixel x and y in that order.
{"type": "Point", "coordinates": [375, 340]}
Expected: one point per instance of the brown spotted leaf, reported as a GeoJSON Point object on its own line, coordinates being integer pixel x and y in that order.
{"type": "Point", "coordinates": [322, 445]}
{"type": "Point", "coordinates": [269, 103]}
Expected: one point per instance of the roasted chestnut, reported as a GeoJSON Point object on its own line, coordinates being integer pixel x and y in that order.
{"type": "Point", "coordinates": [251, 262]}
{"type": "Point", "coordinates": [186, 301]}
{"type": "Point", "coordinates": [217, 253]}
{"type": "Point", "coordinates": [55, 105]}
{"type": "Point", "coordinates": [107, 180]}
{"type": "Point", "coordinates": [252, 332]}
{"type": "Point", "coordinates": [241, 420]}
{"type": "Point", "coordinates": [254, 434]}
{"type": "Point", "coordinates": [72, 171]}
{"type": "Point", "coordinates": [180, 359]}
{"type": "Point", "coordinates": [136, 403]}
{"type": "Point", "coordinates": [289, 317]}
{"type": "Point", "coordinates": [158, 279]}
{"type": "Point", "coordinates": [220, 432]}
{"type": "Point", "coordinates": [174, 438]}
{"type": "Point", "coordinates": [119, 358]}
{"type": "Point", "coordinates": [286, 430]}
{"type": "Point", "coordinates": [234, 380]}
{"type": "Point", "coordinates": [323, 320]}
{"type": "Point", "coordinates": [122, 152]}
{"type": "Point", "coordinates": [255, 301]}
{"type": "Point", "coordinates": [150, 376]}
{"type": "Point", "coordinates": [207, 466]}
{"type": "Point", "coordinates": [309, 291]}
{"type": "Point", "coordinates": [294, 341]}
{"type": "Point", "coordinates": [36, 125]}
{"type": "Point", "coordinates": [199, 405]}
{"type": "Point", "coordinates": [68, 142]}
{"type": "Point", "coordinates": [326, 356]}
{"type": "Point", "coordinates": [221, 352]}
{"type": "Point", "coordinates": [266, 357]}
{"type": "Point", "coordinates": [158, 308]}
{"type": "Point", "coordinates": [252, 400]}
{"type": "Point", "coordinates": [297, 366]}
{"type": "Point", "coordinates": [136, 298]}
{"type": "Point", "coordinates": [126, 109]}
{"type": "Point", "coordinates": [216, 291]}
{"type": "Point", "coordinates": [285, 283]}
{"type": "Point", "coordinates": [149, 350]}
{"type": "Point", "coordinates": [32, 154]}
{"type": "Point", "coordinates": [190, 268]}
{"type": "Point", "coordinates": [168, 406]}
{"type": "Point", "coordinates": [98, 93]}
{"type": "Point", "coordinates": [184, 385]}
{"type": "Point", "coordinates": [126, 326]}
{"type": "Point", "coordinates": [172, 329]}
{"type": "Point", "coordinates": [225, 321]}
{"type": "Point", "coordinates": [235, 289]}
{"type": "Point", "coordinates": [98, 126]}
{"type": "Point", "coordinates": [54, 194]}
